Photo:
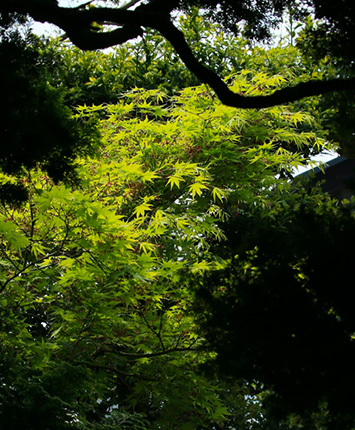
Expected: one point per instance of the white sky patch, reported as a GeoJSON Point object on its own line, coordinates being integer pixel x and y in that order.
{"type": "Point", "coordinates": [46, 29]}
{"type": "Point", "coordinates": [50, 30]}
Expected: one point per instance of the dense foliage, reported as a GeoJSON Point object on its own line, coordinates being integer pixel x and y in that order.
{"type": "Point", "coordinates": [102, 325]}
{"type": "Point", "coordinates": [279, 311]}
{"type": "Point", "coordinates": [93, 290]}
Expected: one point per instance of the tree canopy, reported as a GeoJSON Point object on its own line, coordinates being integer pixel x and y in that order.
{"type": "Point", "coordinates": [279, 312]}
{"type": "Point", "coordinates": [36, 126]}
{"type": "Point", "coordinates": [45, 80]}
{"type": "Point", "coordinates": [95, 323]}
{"type": "Point", "coordinates": [124, 23]}
{"type": "Point", "coordinates": [128, 290]}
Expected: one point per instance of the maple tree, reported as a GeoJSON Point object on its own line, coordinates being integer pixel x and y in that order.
{"type": "Point", "coordinates": [93, 293]}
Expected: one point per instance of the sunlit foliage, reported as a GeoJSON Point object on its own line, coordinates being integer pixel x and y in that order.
{"type": "Point", "coordinates": [93, 292]}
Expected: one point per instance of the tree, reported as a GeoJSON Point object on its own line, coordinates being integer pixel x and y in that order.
{"type": "Point", "coordinates": [260, 16]}
{"type": "Point", "coordinates": [318, 45]}
{"type": "Point", "coordinates": [280, 312]}
{"type": "Point", "coordinates": [93, 289]}
{"type": "Point", "coordinates": [35, 125]}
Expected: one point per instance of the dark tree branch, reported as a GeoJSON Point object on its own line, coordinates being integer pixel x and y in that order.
{"type": "Point", "coordinates": [129, 4]}
{"type": "Point", "coordinates": [229, 98]}
{"type": "Point", "coordinates": [77, 24]}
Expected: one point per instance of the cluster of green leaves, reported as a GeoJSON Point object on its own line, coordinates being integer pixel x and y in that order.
{"type": "Point", "coordinates": [93, 285]}
{"type": "Point", "coordinates": [256, 19]}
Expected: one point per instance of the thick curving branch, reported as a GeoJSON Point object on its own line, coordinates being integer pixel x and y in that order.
{"type": "Point", "coordinates": [77, 24]}
{"type": "Point", "coordinates": [229, 98]}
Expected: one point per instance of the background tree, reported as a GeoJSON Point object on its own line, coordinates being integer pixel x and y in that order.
{"type": "Point", "coordinates": [280, 311]}
{"type": "Point", "coordinates": [318, 45]}
{"type": "Point", "coordinates": [35, 126]}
